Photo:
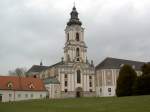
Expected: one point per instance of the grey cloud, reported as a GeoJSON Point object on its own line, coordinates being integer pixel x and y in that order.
{"type": "Point", "coordinates": [29, 33]}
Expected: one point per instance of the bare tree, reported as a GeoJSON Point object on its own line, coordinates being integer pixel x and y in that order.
{"type": "Point", "coordinates": [18, 72]}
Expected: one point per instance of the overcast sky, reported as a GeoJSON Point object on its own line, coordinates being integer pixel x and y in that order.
{"type": "Point", "coordinates": [31, 30]}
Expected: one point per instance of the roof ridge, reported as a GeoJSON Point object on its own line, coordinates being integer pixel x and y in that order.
{"type": "Point", "coordinates": [114, 63]}
{"type": "Point", "coordinates": [125, 59]}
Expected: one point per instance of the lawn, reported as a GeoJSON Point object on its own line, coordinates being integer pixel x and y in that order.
{"type": "Point", "coordinates": [111, 104]}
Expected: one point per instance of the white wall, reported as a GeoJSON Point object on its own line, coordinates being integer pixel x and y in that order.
{"type": "Point", "coordinates": [101, 76]}
{"type": "Point", "coordinates": [102, 87]}
{"type": "Point", "coordinates": [53, 90]}
{"type": "Point", "coordinates": [104, 91]}
{"type": "Point", "coordinates": [21, 95]}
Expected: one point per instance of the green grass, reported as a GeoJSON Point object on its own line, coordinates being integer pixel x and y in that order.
{"type": "Point", "coordinates": [112, 104]}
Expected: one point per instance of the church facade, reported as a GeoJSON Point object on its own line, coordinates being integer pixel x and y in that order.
{"type": "Point", "coordinates": [74, 75]}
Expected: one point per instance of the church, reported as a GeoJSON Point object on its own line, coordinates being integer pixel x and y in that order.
{"type": "Point", "coordinates": [75, 75]}
{"type": "Point", "coordinates": [74, 72]}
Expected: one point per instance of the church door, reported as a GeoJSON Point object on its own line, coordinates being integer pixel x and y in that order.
{"type": "Point", "coordinates": [79, 92]}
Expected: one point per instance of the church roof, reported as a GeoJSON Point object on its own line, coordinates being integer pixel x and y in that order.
{"type": "Point", "coordinates": [51, 80]}
{"type": "Point", "coordinates": [37, 68]}
{"type": "Point", "coordinates": [114, 63]}
{"type": "Point", "coordinates": [21, 83]}
{"type": "Point", "coordinates": [59, 63]}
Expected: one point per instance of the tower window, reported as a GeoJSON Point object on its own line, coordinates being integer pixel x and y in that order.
{"type": "Point", "coordinates": [78, 76]}
{"type": "Point", "coordinates": [68, 37]}
{"type": "Point", "coordinates": [77, 37]}
{"type": "Point", "coordinates": [77, 52]}
{"type": "Point", "coordinates": [66, 83]}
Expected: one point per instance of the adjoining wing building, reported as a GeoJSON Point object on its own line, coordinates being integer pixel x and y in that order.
{"type": "Point", "coordinates": [14, 88]}
{"type": "Point", "coordinates": [107, 73]}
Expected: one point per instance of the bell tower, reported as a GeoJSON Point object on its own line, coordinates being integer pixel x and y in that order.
{"type": "Point", "coordinates": [75, 49]}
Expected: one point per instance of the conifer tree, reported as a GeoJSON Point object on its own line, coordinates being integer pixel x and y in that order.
{"type": "Point", "coordinates": [125, 81]}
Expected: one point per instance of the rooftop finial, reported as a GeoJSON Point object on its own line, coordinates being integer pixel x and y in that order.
{"type": "Point", "coordinates": [74, 4]}
{"type": "Point", "coordinates": [41, 64]}
{"type": "Point", "coordinates": [74, 20]}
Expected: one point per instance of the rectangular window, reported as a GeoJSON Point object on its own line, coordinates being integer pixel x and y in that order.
{"type": "Point", "coordinates": [10, 95]}
{"type": "Point", "coordinates": [66, 90]}
{"type": "Point", "coordinates": [40, 95]}
{"type": "Point", "coordinates": [65, 75]}
{"type": "Point", "coordinates": [90, 77]}
{"type": "Point", "coordinates": [90, 84]}
{"type": "Point", "coordinates": [26, 95]}
{"type": "Point", "coordinates": [109, 89]}
{"type": "Point", "coordinates": [31, 95]}
{"type": "Point", "coordinates": [66, 83]}
{"type": "Point", "coordinates": [100, 90]}
{"type": "Point", "coordinates": [91, 90]}
{"type": "Point", "coordinates": [19, 95]}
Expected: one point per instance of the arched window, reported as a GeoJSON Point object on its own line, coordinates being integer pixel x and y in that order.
{"type": "Point", "coordinates": [77, 52]}
{"type": "Point", "coordinates": [67, 36]}
{"type": "Point", "coordinates": [77, 37]}
{"type": "Point", "coordinates": [78, 76]}
{"type": "Point", "coordinates": [10, 85]}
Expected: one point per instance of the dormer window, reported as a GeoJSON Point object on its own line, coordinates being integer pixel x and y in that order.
{"type": "Point", "coordinates": [10, 85]}
{"type": "Point", "coordinates": [77, 37]}
{"type": "Point", "coordinates": [31, 86]}
{"type": "Point", "coordinates": [121, 65]}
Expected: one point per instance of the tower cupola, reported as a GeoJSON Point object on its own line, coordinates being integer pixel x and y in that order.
{"type": "Point", "coordinates": [74, 20]}
{"type": "Point", "coordinates": [75, 49]}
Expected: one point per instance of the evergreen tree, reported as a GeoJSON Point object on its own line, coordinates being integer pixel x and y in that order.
{"type": "Point", "coordinates": [142, 84]}
{"type": "Point", "coordinates": [126, 79]}
{"type": "Point", "coordinates": [146, 69]}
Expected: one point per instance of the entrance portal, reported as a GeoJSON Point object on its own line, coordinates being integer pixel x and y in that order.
{"type": "Point", "coordinates": [79, 92]}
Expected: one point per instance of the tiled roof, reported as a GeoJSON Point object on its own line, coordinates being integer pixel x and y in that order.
{"type": "Point", "coordinates": [114, 63]}
{"type": "Point", "coordinates": [21, 83]}
{"type": "Point", "coordinates": [51, 80]}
